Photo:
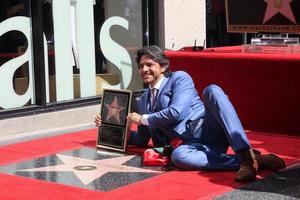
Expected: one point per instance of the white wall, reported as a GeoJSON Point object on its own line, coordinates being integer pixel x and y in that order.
{"type": "Point", "coordinates": [181, 22]}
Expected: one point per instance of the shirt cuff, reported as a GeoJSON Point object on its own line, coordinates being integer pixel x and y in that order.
{"type": "Point", "coordinates": [144, 120]}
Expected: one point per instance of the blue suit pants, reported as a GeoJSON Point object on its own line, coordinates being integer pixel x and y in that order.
{"type": "Point", "coordinates": [220, 129]}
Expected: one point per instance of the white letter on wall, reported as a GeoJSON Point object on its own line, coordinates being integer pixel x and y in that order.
{"type": "Point", "coordinates": [85, 40]}
{"type": "Point", "coordinates": [63, 49]}
{"type": "Point", "coordinates": [114, 52]}
{"type": "Point", "coordinates": [84, 46]}
{"type": "Point", "coordinates": [8, 97]}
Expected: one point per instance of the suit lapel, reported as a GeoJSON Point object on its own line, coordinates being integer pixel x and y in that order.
{"type": "Point", "coordinates": [163, 84]}
{"type": "Point", "coordinates": [160, 92]}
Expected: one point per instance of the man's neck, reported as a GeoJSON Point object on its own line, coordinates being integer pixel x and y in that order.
{"type": "Point", "coordinates": [158, 83]}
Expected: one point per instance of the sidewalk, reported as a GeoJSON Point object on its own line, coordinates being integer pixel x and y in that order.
{"type": "Point", "coordinates": [47, 124]}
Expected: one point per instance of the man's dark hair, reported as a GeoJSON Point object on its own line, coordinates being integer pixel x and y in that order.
{"type": "Point", "coordinates": [156, 54]}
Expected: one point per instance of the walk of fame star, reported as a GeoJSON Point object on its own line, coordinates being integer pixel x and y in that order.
{"type": "Point", "coordinates": [114, 110]}
{"type": "Point", "coordinates": [279, 6]}
{"type": "Point", "coordinates": [89, 170]}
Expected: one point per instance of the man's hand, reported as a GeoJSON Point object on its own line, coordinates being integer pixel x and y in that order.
{"type": "Point", "coordinates": [134, 118]}
{"type": "Point", "coordinates": [98, 120]}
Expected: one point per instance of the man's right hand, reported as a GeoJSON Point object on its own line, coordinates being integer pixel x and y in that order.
{"type": "Point", "coordinates": [98, 120]}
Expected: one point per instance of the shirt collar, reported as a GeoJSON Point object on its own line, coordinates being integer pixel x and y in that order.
{"type": "Point", "coordinates": [158, 84]}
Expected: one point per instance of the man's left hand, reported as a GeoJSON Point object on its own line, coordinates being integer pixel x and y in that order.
{"type": "Point", "coordinates": [134, 118]}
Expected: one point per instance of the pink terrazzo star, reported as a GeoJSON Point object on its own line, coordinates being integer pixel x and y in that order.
{"type": "Point", "coordinates": [92, 169]}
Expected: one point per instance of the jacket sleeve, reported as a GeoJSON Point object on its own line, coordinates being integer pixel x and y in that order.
{"type": "Point", "coordinates": [180, 95]}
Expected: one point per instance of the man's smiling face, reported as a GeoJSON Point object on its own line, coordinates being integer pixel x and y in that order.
{"type": "Point", "coordinates": [150, 71]}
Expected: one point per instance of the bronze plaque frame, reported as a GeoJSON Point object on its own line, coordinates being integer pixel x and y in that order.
{"type": "Point", "coordinates": [115, 106]}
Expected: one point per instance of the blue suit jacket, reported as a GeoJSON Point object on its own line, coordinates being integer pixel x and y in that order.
{"type": "Point", "coordinates": [179, 111]}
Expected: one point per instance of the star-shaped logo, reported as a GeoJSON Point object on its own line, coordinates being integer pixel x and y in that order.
{"type": "Point", "coordinates": [89, 170]}
{"type": "Point", "coordinates": [279, 6]}
{"type": "Point", "coordinates": [114, 110]}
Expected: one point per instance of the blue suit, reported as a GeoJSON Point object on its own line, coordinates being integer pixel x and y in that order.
{"type": "Point", "coordinates": [207, 128]}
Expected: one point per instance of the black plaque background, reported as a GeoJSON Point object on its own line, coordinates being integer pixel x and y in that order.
{"type": "Point", "coordinates": [113, 133]}
{"type": "Point", "coordinates": [112, 136]}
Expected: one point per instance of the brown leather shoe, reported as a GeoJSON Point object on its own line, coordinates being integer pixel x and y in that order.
{"type": "Point", "coordinates": [246, 172]}
{"type": "Point", "coordinates": [248, 167]}
{"type": "Point", "coordinates": [256, 152]}
{"type": "Point", "coordinates": [270, 162]}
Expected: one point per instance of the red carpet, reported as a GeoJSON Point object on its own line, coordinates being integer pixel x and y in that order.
{"type": "Point", "coordinates": [42, 147]}
{"type": "Point", "coordinates": [171, 185]}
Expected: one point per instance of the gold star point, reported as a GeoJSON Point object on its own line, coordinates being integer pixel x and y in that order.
{"type": "Point", "coordinates": [278, 3]}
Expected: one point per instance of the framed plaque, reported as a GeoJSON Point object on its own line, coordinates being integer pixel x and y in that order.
{"type": "Point", "coordinates": [115, 106]}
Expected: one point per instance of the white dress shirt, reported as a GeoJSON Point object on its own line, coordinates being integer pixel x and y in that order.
{"type": "Point", "coordinates": [144, 119]}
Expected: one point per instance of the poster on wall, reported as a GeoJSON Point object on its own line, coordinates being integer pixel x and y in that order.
{"type": "Point", "coordinates": [252, 16]}
{"type": "Point", "coordinates": [115, 107]}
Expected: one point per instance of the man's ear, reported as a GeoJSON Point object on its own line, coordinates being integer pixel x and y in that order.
{"type": "Point", "coordinates": [163, 69]}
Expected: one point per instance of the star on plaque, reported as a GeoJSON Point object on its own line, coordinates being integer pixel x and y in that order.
{"type": "Point", "coordinates": [279, 6]}
{"type": "Point", "coordinates": [89, 170]}
{"type": "Point", "coordinates": [114, 110]}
